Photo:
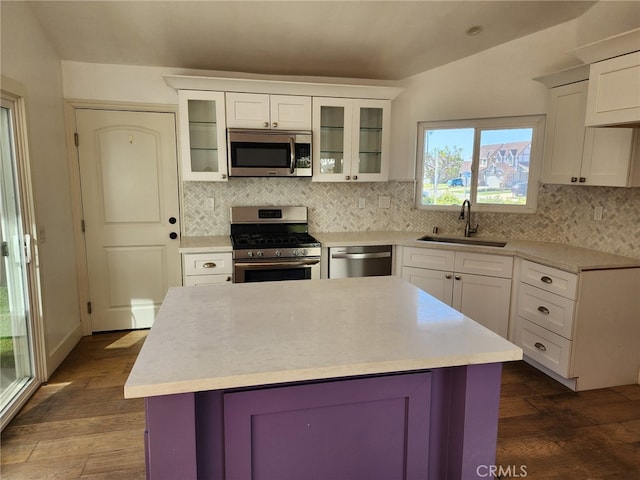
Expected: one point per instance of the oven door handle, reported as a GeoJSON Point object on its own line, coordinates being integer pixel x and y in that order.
{"type": "Point", "coordinates": [258, 265]}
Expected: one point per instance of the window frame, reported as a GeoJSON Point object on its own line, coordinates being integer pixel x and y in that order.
{"type": "Point", "coordinates": [535, 122]}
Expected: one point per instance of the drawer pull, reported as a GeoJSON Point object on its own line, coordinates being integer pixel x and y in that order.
{"type": "Point", "coordinates": [543, 309]}
{"type": "Point", "coordinates": [209, 265]}
{"type": "Point", "coordinates": [228, 279]}
{"type": "Point", "coordinates": [540, 347]}
{"type": "Point", "coordinates": [546, 279]}
{"type": "Point", "coordinates": [448, 276]}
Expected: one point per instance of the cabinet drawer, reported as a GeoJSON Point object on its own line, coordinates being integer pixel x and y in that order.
{"type": "Point", "coordinates": [549, 279]}
{"type": "Point", "coordinates": [548, 310]}
{"type": "Point", "coordinates": [484, 264]}
{"type": "Point", "coordinates": [202, 280]}
{"type": "Point", "coordinates": [543, 346]}
{"type": "Point", "coordinates": [207, 263]}
{"type": "Point", "coordinates": [428, 258]}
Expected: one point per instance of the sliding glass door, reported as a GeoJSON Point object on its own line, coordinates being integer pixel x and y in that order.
{"type": "Point", "coordinates": [16, 339]}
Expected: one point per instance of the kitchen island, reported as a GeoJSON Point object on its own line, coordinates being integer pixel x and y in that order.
{"type": "Point", "coordinates": [343, 379]}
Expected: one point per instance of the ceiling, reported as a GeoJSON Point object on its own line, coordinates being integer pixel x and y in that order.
{"type": "Point", "coordinates": [385, 40]}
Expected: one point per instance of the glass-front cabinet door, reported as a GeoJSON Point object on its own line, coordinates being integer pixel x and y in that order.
{"type": "Point", "coordinates": [372, 127]}
{"type": "Point", "coordinates": [350, 139]}
{"type": "Point", "coordinates": [202, 135]}
{"type": "Point", "coordinates": [331, 139]}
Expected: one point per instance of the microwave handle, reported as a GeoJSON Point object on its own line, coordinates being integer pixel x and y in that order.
{"type": "Point", "coordinates": [292, 143]}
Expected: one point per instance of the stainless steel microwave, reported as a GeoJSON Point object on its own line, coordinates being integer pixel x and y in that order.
{"type": "Point", "coordinates": [269, 153]}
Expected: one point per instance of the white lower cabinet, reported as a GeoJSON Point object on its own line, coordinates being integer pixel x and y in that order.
{"type": "Point", "coordinates": [584, 329]}
{"type": "Point", "coordinates": [476, 284]}
{"type": "Point", "coordinates": [207, 268]}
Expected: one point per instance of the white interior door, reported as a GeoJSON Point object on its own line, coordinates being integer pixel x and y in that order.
{"type": "Point", "coordinates": [128, 173]}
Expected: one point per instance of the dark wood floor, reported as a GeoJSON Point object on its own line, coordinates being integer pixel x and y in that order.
{"type": "Point", "coordinates": [79, 426]}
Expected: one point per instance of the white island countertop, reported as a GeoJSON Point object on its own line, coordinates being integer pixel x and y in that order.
{"type": "Point", "coordinates": [239, 335]}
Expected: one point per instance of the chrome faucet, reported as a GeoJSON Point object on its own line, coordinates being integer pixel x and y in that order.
{"type": "Point", "coordinates": [468, 229]}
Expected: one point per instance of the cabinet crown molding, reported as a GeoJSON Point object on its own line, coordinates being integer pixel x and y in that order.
{"type": "Point", "coordinates": [279, 87]}
{"type": "Point", "coordinates": [564, 77]}
{"type": "Point", "coordinates": [614, 46]}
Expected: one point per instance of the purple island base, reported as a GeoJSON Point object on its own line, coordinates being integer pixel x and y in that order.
{"type": "Point", "coordinates": [438, 424]}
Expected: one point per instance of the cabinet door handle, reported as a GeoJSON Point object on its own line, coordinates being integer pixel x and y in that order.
{"type": "Point", "coordinates": [582, 180]}
{"type": "Point", "coordinates": [266, 124]}
{"type": "Point", "coordinates": [543, 309]}
{"type": "Point", "coordinates": [173, 235]}
{"type": "Point", "coordinates": [546, 280]}
{"type": "Point", "coordinates": [457, 277]}
{"type": "Point", "coordinates": [574, 179]}
{"type": "Point", "coordinates": [228, 279]}
{"type": "Point", "coordinates": [448, 276]}
{"type": "Point", "coordinates": [209, 265]}
{"type": "Point", "coordinates": [355, 177]}
{"type": "Point", "coordinates": [347, 177]}
{"type": "Point", "coordinates": [540, 346]}
{"type": "Point", "coordinates": [275, 125]}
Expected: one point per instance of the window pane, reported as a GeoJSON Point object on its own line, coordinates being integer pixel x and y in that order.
{"type": "Point", "coordinates": [503, 166]}
{"type": "Point", "coordinates": [446, 174]}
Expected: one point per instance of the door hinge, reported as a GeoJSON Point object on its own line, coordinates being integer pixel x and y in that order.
{"type": "Point", "coordinates": [89, 308]}
{"type": "Point", "coordinates": [76, 140]}
{"type": "Point", "coordinates": [82, 226]}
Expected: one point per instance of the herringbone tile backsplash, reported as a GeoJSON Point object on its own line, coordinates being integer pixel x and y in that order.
{"type": "Point", "coordinates": [565, 213]}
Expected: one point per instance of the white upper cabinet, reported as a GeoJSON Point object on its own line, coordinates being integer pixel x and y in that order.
{"type": "Point", "coordinates": [264, 111]}
{"type": "Point", "coordinates": [614, 91]}
{"type": "Point", "coordinates": [203, 147]}
{"type": "Point", "coordinates": [351, 139]}
{"type": "Point", "coordinates": [586, 156]}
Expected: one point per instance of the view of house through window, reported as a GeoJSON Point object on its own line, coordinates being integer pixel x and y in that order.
{"type": "Point", "coordinates": [488, 162]}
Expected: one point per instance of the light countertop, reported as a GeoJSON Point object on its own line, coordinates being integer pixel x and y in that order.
{"type": "Point", "coordinates": [210, 244]}
{"type": "Point", "coordinates": [565, 257]}
{"type": "Point", "coordinates": [237, 335]}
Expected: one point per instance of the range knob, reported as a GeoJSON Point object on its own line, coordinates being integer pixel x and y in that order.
{"type": "Point", "coordinates": [259, 253]}
{"type": "Point", "coordinates": [304, 251]}
{"type": "Point", "coordinates": [294, 253]}
{"type": "Point", "coordinates": [277, 253]}
{"type": "Point", "coordinates": [249, 254]}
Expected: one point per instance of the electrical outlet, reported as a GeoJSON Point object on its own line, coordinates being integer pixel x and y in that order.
{"type": "Point", "coordinates": [361, 202]}
{"type": "Point", "coordinates": [210, 204]}
{"type": "Point", "coordinates": [384, 202]}
{"type": "Point", "coordinates": [597, 213]}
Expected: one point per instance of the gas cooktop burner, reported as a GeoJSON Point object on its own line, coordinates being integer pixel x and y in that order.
{"type": "Point", "coordinates": [274, 240]}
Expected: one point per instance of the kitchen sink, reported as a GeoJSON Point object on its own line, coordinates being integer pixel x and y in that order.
{"type": "Point", "coordinates": [463, 241]}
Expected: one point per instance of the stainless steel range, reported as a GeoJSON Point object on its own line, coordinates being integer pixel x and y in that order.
{"type": "Point", "coordinates": [273, 243]}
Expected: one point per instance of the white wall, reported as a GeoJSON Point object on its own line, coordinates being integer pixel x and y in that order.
{"type": "Point", "coordinates": [499, 81]}
{"type": "Point", "coordinates": [495, 83]}
{"type": "Point", "coordinates": [28, 58]}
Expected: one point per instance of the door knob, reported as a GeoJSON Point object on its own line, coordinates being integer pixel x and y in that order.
{"type": "Point", "coordinates": [172, 220]}
{"type": "Point", "coordinates": [173, 235]}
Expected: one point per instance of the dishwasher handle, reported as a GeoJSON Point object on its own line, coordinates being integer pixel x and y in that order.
{"type": "Point", "coordinates": [361, 256]}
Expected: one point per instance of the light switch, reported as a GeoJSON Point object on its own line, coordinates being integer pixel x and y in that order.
{"type": "Point", "coordinates": [597, 213]}
{"type": "Point", "coordinates": [361, 202]}
{"type": "Point", "coordinates": [210, 204]}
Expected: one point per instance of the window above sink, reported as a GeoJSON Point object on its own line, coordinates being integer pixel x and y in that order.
{"type": "Point", "coordinates": [494, 163]}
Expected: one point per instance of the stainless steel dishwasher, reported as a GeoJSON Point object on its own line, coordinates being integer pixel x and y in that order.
{"type": "Point", "coordinates": [359, 261]}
